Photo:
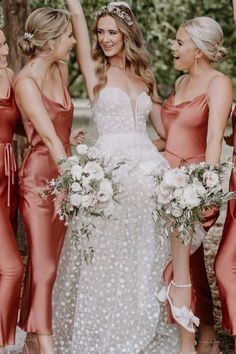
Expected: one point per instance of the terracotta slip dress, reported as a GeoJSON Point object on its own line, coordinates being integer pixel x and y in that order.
{"type": "Point", "coordinates": [225, 264]}
{"type": "Point", "coordinates": [11, 266]}
{"type": "Point", "coordinates": [186, 134]}
{"type": "Point", "coordinates": [45, 232]}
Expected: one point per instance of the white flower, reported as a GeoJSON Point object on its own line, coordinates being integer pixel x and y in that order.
{"type": "Point", "coordinates": [76, 172]}
{"type": "Point", "coordinates": [190, 197]}
{"type": "Point", "coordinates": [76, 187]}
{"type": "Point", "coordinates": [175, 210]}
{"type": "Point", "coordinates": [88, 201]}
{"type": "Point", "coordinates": [93, 153]}
{"type": "Point", "coordinates": [175, 178]}
{"type": "Point", "coordinates": [211, 179]}
{"type": "Point", "coordinates": [82, 149]}
{"type": "Point", "coordinates": [93, 170]}
{"type": "Point", "coordinates": [75, 199]}
{"type": "Point", "coordinates": [86, 183]}
{"type": "Point", "coordinates": [105, 192]}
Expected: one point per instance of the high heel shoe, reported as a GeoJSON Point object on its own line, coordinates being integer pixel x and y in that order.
{"type": "Point", "coordinates": [214, 346]}
{"type": "Point", "coordinates": [183, 315]}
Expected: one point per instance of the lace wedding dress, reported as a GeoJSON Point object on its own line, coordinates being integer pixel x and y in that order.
{"type": "Point", "coordinates": [110, 306]}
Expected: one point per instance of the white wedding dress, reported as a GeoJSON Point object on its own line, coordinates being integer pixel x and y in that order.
{"type": "Point", "coordinates": [110, 306]}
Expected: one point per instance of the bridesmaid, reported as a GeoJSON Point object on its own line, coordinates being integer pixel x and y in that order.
{"type": "Point", "coordinates": [225, 263]}
{"type": "Point", "coordinates": [11, 266]}
{"type": "Point", "coordinates": [194, 119]}
{"type": "Point", "coordinates": [47, 111]}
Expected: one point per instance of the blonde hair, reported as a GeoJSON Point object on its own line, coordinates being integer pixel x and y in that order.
{"type": "Point", "coordinates": [207, 35]}
{"type": "Point", "coordinates": [43, 25]}
{"type": "Point", "coordinates": [136, 55]}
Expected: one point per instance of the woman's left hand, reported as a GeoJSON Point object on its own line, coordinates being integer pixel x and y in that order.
{"type": "Point", "coordinates": [77, 136]}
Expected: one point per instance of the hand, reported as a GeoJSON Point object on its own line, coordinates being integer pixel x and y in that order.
{"type": "Point", "coordinates": [160, 144]}
{"type": "Point", "coordinates": [77, 136]}
{"type": "Point", "coordinates": [229, 140]}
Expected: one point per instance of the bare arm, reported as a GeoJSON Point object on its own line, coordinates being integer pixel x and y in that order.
{"type": "Point", "coordinates": [27, 91]}
{"type": "Point", "coordinates": [234, 9]}
{"type": "Point", "coordinates": [83, 47]}
{"type": "Point", "coordinates": [155, 119]}
{"type": "Point", "coordinates": [220, 99]}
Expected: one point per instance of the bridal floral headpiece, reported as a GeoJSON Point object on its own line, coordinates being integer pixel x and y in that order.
{"type": "Point", "coordinates": [28, 36]}
{"type": "Point", "coordinates": [114, 8]}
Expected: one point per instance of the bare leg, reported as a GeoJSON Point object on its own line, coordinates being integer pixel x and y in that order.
{"type": "Point", "coordinates": [207, 340]}
{"type": "Point", "coordinates": [1, 350]}
{"type": "Point", "coordinates": [182, 296]}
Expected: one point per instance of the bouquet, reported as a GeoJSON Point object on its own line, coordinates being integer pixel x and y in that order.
{"type": "Point", "coordinates": [182, 194]}
{"type": "Point", "coordinates": [86, 189]}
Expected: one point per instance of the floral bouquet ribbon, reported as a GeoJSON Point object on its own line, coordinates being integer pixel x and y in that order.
{"type": "Point", "coordinates": [182, 194]}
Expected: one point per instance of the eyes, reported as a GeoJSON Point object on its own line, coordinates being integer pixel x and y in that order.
{"type": "Point", "coordinates": [4, 44]}
{"type": "Point", "coordinates": [110, 32]}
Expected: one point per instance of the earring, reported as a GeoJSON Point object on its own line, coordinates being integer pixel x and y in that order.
{"type": "Point", "coordinates": [195, 65]}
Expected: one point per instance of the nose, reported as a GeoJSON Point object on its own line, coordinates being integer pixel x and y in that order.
{"type": "Point", "coordinates": [106, 38]}
{"type": "Point", "coordinates": [173, 45]}
{"type": "Point", "coordinates": [4, 50]}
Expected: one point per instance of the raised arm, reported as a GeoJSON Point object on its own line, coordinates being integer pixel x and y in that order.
{"type": "Point", "coordinates": [83, 47]}
{"type": "Point", "coordinates": [234, 9]}
{"type": "Point", "coordinates": [29, 101]}
{"type": "Point", "coordinates": [220, 99]}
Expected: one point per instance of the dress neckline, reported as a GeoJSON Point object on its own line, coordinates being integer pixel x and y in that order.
{"type": "Point", "coordinates": [202, 95]}
{"type": "Point", "coordinates": [67, 102]}
{"type": "Point", "coordinates": [125, 93]}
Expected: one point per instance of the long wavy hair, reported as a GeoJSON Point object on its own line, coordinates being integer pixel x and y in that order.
{"type": "Point", "coordinates": [136, 56]}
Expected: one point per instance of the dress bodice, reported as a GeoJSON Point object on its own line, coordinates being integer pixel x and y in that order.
{"type": "Point", "coordinates": [116, 112]}
{"type": "Point", "coordinates": [9, 115]}
{"type": "Point", "coordinates": [186, 129]}
{"type": "Point", "coordinates": [61, 117]}
{"type": "Point", "coordinates": [234, 128]}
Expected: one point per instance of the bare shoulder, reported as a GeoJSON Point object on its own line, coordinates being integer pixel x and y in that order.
{"type": "Point", "coordinates": [219, 80]}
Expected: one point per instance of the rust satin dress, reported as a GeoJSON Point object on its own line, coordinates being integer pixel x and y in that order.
{"type": "Point", "coordinates": [45, 232]}
{"type": "Point", "coordinates": [225, 264]}
{"type": "Point", "coordinates": [11, 266]}
{"type": "Point", "coordinates": [186, 134]}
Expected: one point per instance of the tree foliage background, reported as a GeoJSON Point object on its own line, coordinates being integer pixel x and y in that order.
{"type": "Point", "coordinates": [159, 20]}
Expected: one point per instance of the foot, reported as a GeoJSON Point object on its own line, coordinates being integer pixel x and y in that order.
{"type": "Point", "coordinates": [208, 347]}
{"type": "Point", "coordinates": [31, 345]}
{"type": "Point", "coordinates": [179, 298]}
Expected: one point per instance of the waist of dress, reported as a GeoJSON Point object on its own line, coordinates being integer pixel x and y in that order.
{"type": "Point", "coordinates": [44, 147]}
{"type": "Point", "coordinates": [126, 135]}
{"type": "Point", "coordinates": [9, 167]}
{"type": "Point", "coordinates": [187, 159]}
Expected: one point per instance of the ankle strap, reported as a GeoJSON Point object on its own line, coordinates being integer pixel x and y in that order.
{"type": "Point", "coordinates": [208, 342]}
{"type": "Point", "coordinates": [181, 286]}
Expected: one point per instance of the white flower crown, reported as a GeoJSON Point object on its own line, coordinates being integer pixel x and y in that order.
{"type": "Point", "coordinates": [113, 8]}
{"type": "Point", "coordinates": [28, 36]}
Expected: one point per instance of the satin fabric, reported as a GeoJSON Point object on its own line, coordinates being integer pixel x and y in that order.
{"type": "Point", "coordinates": [45, 232]}
{"type": "Point", "coordinates": [11, 266]}
{"type": "Point", "coordinates": [186, 136]}
{"type": "Point", "coordinates": [225, 264]}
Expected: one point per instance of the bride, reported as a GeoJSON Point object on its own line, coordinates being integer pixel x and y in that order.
{"type": "Point", "coordinates": [110, 306]}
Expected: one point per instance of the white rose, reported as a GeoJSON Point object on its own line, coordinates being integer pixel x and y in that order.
{"type": "Point", "coordinates": [93, 153]}
{"type": "Point", "coordinates": [175, 210]}
{"type": "Point", "coordinates": [85, 183]}
{"type": "Point", "coordinates": [211, 179]}
{"type": "Point", "coordinates": [82, 149]}
{"type": "Point", "coordinates": [76, 187]}
{"type": "Point", "coordinates": [76, 172]}
{"type": "Point", "coordinates": [175, 178]}
{"type": "Point", "coordinates": [76, 199]}
{"type": "Point", "coordinates": [93, 170]}
{"type": "Point", "coordinates": [87, 201]}
{"type": "Point", "coordinates": [190, 197]}
{"type": "Point", "coordinates": [105, 192]}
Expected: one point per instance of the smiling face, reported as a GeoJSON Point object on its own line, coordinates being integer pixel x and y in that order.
{"type": "Point", "coordinates": [110, 38]}
{"type": "Point", "coordinates": [64, 44]}
{"type": "Point", "coordinates": [4, 50]}
{"type": "Point", "coordinates": [184, 51]}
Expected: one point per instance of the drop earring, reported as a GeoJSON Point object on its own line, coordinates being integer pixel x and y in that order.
{"type": "Point", "coordinates": [195, 65]}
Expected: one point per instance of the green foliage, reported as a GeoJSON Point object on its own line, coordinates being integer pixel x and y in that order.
{"type": "Point", "coordinates": [159, 21]}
